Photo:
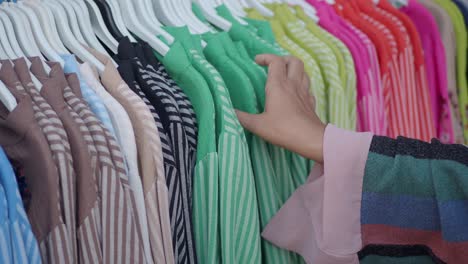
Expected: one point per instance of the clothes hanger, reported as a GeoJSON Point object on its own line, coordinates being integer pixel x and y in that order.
{"type": "Point", "coordinates": [108, 18]}
{"type": "Point", "coordinates": [260, 8]}
{"type": "Point", "coordinates": [27, 45]}
{"type": "Point", "coordinates": [118, 18]}
{"type": "Point", "coordinates": [48, 25]}
{"type": "Point", "coordinates": [71, 19]}
{"type": "Point", "coordinates": [309, 10]}
{"type": "Point", "coordinates": [84, 24]}
{"type": "Point", "coordinates": [98, 27]}
{"type": "Point", "coordinates": [138, 29]}
{"type": "Point", "coordinates": [146, 20]}
{"type": "Point", "coordinates": [6, 97]}
{"type": "Point", "coordinates": [182, 10]}
{"type": "Point", "coordinates": [39, 36]}
{"type": "Point", "coordinates": [69, 39]}
{"type": "Point", "coordinates": [213, 17]}
{"type": "Point", "coordinates": [3, 53]}
{"type": "Point", "coordinates": [9, 52]}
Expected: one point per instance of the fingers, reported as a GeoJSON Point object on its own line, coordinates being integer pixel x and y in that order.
{"type": "Point", "coordinates": [295, 68]}
{"type": "Point", "coordinates": [266, 59]}
{"type": "Point", "coordinates": [251, 122]}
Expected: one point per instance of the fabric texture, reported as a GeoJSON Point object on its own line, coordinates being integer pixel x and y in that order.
{"type": "Point", "coordinates": [205, 184]}
{"type": "Point", "coordinates": [28, 149]}
{"type": "Point", "coordinates": [83, 154]}
{"type": "Point", "coordinates": [434, 54]}
{"type": "Point", "coordinates": [23, 247]}
{"type": "Point", "coordinates": [113, 187]}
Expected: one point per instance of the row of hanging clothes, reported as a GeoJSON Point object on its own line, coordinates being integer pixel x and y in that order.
{"type": "Point", "coordinates": [120, 143]}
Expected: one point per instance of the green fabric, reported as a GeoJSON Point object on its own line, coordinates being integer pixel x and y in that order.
{"type": "Point", "coordinates": [243, 97]}
{"type": "Point", "coordinates": [380, 170]}
{"type": "Point", "coordinates": [461, 38]}
{"type": "Point", "coordinates": [206, 181]}
{"type": "Point", "coordinates": [255, 45]}
{"type": "Point", "coordinates": [311, 67]}
{"type": "Point", "coordinates": [199, 14]}
{"type": "Point", "coordinates": [239, 227]}
{"type": "Point", "coordinates": [337, 103]}
{"type": "Point", "coordinates": [338, 47]}
{"type": "Point", "coordinates": [196, 88]}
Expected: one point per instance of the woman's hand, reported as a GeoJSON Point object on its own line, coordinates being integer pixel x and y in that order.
{"type": "Point", "coordinates": [289, 119]}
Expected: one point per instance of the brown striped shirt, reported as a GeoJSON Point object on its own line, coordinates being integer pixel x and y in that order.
{"type": "Point", "coordinates": [53, 128]}
{"type": "Point", "coordinates": [24, 141]}
{"type": "Point", "coordinates": [151, 162]}
{"type": "Point", "coordinates": [120, 241]}
{"type": "Point", "coordinates": [84, 155]}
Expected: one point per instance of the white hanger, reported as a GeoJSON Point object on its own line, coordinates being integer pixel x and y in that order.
{"type": "Point", "coordinates": [135, 26]}
{"type": "Point", "coordinates": [145, 17]}
{"type": "Point", "coordinates": [71, 18]}
{"type": "Point", "coordinates": [41, 40]}
{"type": "Point", "coordinates": [70, 41]}
{"type": "Point", "coordinates": [15, 46]}
{"type": "Point", "coordinates": [117, 15]}
{"type": "Point", "coordinates": [7, 97]}
{"type": "Point", "coordinates": [213, 17]}
{"type": "Point", "coordinates": [235, 7]}
{"type": "Point", "coordinates": [182, 10]}
{"type": "Point", "coordinates": [3, 54]}
{"type": "Point", "coordinates": [260, 8]}
{"type": "Point", "coordinates": [9, 52]}
{"type": "Point", "coordinates": [84, 24]}
{"type": "Point", "coordinates": [27, 45]}
{"type": "Point", "coordinates": [48, 25]}
{"type": "Point", "coordinates": [100, 28]}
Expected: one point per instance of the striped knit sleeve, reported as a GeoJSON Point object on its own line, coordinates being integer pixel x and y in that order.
{"type": "Point", "coordinates": [415, 199]}
{"type": "Point", "coordinates": [396, 197]}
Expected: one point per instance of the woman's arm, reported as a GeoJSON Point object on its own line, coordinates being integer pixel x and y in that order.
{"type": "Point", "coordinates": [397, 195]}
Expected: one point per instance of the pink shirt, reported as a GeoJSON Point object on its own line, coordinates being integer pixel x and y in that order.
{"type": "Point", "coordinates": [371, 113]}
{"type": "Point", "coordinates": [436, 66]}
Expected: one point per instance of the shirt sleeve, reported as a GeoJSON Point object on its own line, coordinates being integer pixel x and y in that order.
{"type": "Point", "coordinates": [415, 199]}
{"type": "Point", "coordinates": [378, 193]}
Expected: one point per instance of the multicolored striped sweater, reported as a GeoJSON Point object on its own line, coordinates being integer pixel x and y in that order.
{"type": "Point", "coordinates": [375, 196]}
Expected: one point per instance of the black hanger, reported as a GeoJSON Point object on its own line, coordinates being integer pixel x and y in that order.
{"type": "Point", "coordinates": [108, 18]}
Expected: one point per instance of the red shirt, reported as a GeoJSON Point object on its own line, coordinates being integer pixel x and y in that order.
{"type": "Point", "coordinates": [420, 99]}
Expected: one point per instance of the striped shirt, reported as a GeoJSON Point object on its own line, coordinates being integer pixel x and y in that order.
{"type": "Point", "coordinates": [88, 230]}
{"type": "Point", "coordinates": [117, 228]}
{"type": "Point", "coordinates": [24, 247]}
{"type": "Point", "coordinates": [150, 156]}
{"type": "Point", "coordinates": [28, 149]}
{"type": "Point", "coordinates": [162, 98]}
{"type": "Point", "coordinates": [126, 137]}
{"type": "Point", "coordinates": [53, 129]}
{"type": "Point", "coordinates": [170, 168]}
{"type": "Point", "coordinates": [83, 152]}
{"type": "Point", "coordinates": [93, 100]}
{"type": "Point", "coordinates": [238, 224]}
{"type": "Point", "coordinates": [5, 238]}
{"type": "Point", "coordinates": [240, 88]}
{"type": "Point", "coordinates": [421, 96]}
{"type": "Point", "coordinates": [206, 183]}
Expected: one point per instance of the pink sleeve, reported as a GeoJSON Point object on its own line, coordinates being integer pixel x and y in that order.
{"type": "Point", "coordinates": [321, 221]}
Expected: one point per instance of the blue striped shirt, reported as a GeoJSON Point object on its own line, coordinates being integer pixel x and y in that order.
{"type": "Point", "coordinates": [93, 100]}
{"type": "Point", "coordinates": [15, 229]}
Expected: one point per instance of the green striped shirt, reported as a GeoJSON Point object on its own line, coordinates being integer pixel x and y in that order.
{"type": "Point", "coordinates": [205, 183]}
{"type": "Point", "coordinates": [239, 225]}
{"type": "Point", "coordinates": [243, 97]}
